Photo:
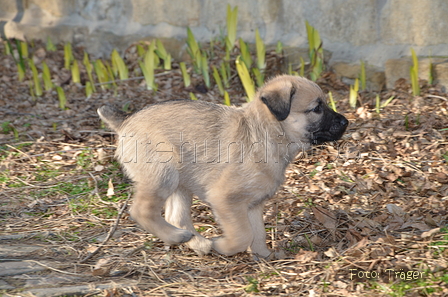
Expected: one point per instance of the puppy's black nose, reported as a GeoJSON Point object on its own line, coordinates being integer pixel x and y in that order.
{"type": "Point", "coordinates": [344, 121]}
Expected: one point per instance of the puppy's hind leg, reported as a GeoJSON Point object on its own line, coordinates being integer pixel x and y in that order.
{"type": "Point", "coordinates": [149, 199]}
{"type": "Point", "coordinates": [178, 213]}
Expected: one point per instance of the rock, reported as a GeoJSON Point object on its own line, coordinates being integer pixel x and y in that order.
{"type": "Point", "coordinates": [77, 290]}
{"type": "Point", "coordinates": [19, 267]}
{"type": "Point", "coordinates": [9, 9]}
{"type": "Point", "coordinates": [375, 78]}
{"type": "Point", "coordinates": [396, 69]}
{"type": "Point", "coordinates": [186, 12]}
{"type": "Point", "coordinates": [33, 281]}
{"type": "Point", "coordinates": [55, 7]}
{"type": "Point", "coordinates": [5, 286]}
{"type": "Point", "coordinates": [441, 74]}
{"type": "Point", "coordinates": [399, 68]}
{"type": "Point", "coordinates": [421, 26]}
{"type": "Point", "coordinates": [293, 54]}
{"type": "Point", "coordinates": [18, 251]}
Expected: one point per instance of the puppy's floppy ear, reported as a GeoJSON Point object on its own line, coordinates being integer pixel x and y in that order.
{"type": "Point", "coordinates": [279, 102]}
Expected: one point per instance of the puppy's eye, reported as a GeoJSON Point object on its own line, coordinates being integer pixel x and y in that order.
{"type": "Point", "coordinates": [317, 109]}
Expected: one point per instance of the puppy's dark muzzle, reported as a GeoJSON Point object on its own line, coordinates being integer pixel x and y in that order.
{"type": "Point", "coordinates": [331, 130]}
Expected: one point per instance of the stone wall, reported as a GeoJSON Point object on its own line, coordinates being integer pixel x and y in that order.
{"type": "Point", "coordinates": [376, 31]}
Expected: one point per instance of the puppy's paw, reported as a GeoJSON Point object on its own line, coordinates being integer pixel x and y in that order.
{"type": "Point", "coordinates": [278, 255]}
{"type": "Point", "coordinates": [178, 237]}
{"type": "Point", "coordinates": [228, 247]}
{"type": "Point", "coordinates": [200, 245]}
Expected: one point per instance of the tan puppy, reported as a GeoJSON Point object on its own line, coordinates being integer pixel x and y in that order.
{"type": "Point", "coordinates": [232, 158]}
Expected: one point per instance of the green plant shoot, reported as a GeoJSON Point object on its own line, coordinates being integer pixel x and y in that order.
{"type": "Point", "coordinates": [21, 63]}
{"type": "Point", "coordinates": [148, 68]}
{"type": "Point", "coordinates": [362, 76]}
{"type": "Point", "coordinates": [20, 72]}
{"type": "Point", "coordinates": [76, 77]}
{"type": "Point", "coordinates": [163, 54]}
{"type": "Point", "coordinates": [24, 49]}
{"type": "Point", "coordinates": [353, 97]}
{"type": "Point", "coordinates": [50, 45]}
{"type": "Point", "coordinates": [193, 46]}
{"type": "Point", "coordinates": [61, 97]}
{"type": "Point", "coordinates": [193, 96]}
{"type": "Point", "coordinates": [316, 52]}
{"type": "Point", "coordinates": [380, 105]}
{"type": "Point", "coordinates": [160, 49]}
{"type": "Point", "coordinates": [110, 74]}
{"type": "Point", "coordinates": [185, 75]}
{"type": "Point", "coordinates": [259, 76]}
{"type": "Point", "coordinates": [431, 73]}
{"type": "Point", "coordinates": [218, 80]}
{"type": "Point", "coordinates": [194, 51]}
{"type": "Point", "coordinates": [279, 48]}
{"type": "Point", "coordinates": [377, 104]}
{"type": "Point", "coordinates": [140, 50]}
{"type": "Point", "coordinates": [261, 51]}
{"type": "Point", "coordinates": [198, 62]}
{"type": "Point", "coordinates": [386, 103]}
{"type": "Point", "coordinates": [245, 54]}
{"type": "Point", "coordinates": [167, 62]}
{"type": "Point", "coordinates": [88, 66]}
{"type": "Point", "coordinates": [89, 89]}
{"type": "Point", "coordinates": [332, 103]}
{"type": "Point", "coordinates": [302, 67]}
{"type": "Point", "coordinates": [30, 85]}
{"type": "Point", "coordinates": [225, 73]}
{"type": "Point", "coordinates": [227, 56]}
{"type": "Point", "coordinates": [101, 73]}
{"type": "Point", "coordinates": [68, 55]}
{"type": "Point", "coordinates": [8, 48]}
{"type": "Point", "coordinates": [414, 74]}
{"type": "Point", "coordinates": [290, 71]}
{"type": "Point", "coordinates": [226, 99]}
{"type": "Point", "coordinates": [205, 71]}
{"type": "Point", "coordinates": [212, 48]}
{"type": "Point", "coordinates": [46, 76]}
{"type": "Point", "coordinates": [245, 78]}
{"type": "Point", "coordinates": [36, 80]}
{"type": "Point", "coordinates": [232, 24]}
{"type": "Point", "coordinates": [118, 66]}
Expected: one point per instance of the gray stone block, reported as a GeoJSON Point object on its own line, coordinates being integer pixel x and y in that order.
{"type": "Point", "coordinates": [15, 251]}
{"type": "Point", "coordinates": [414, 22]}
{"type": "Point", "coordinates": [396, 69]}
{"type": "Point", "coordinates": [180, 13]}
{"type": "Point", "coordinates": [375, 77]}
{"type": "Point", "coordinates": [77, 290]}
{"type": "Point", "coordinates": [54, 7]}
{"type": "Point", "coordinates": [19, 267]}
{"type": "Point", "coordinates": [8, 9]}
{"type": "Point", "coordinates": [399, 68]}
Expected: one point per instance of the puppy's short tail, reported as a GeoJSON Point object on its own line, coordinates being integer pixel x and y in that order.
{"type": "Point", "coordinates": [112, 116]}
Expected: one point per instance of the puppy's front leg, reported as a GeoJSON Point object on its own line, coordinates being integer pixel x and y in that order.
{"type": "Point", "coordinates": [236, 227]}
{"type": "Point", "coordinates": [258, 246]}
